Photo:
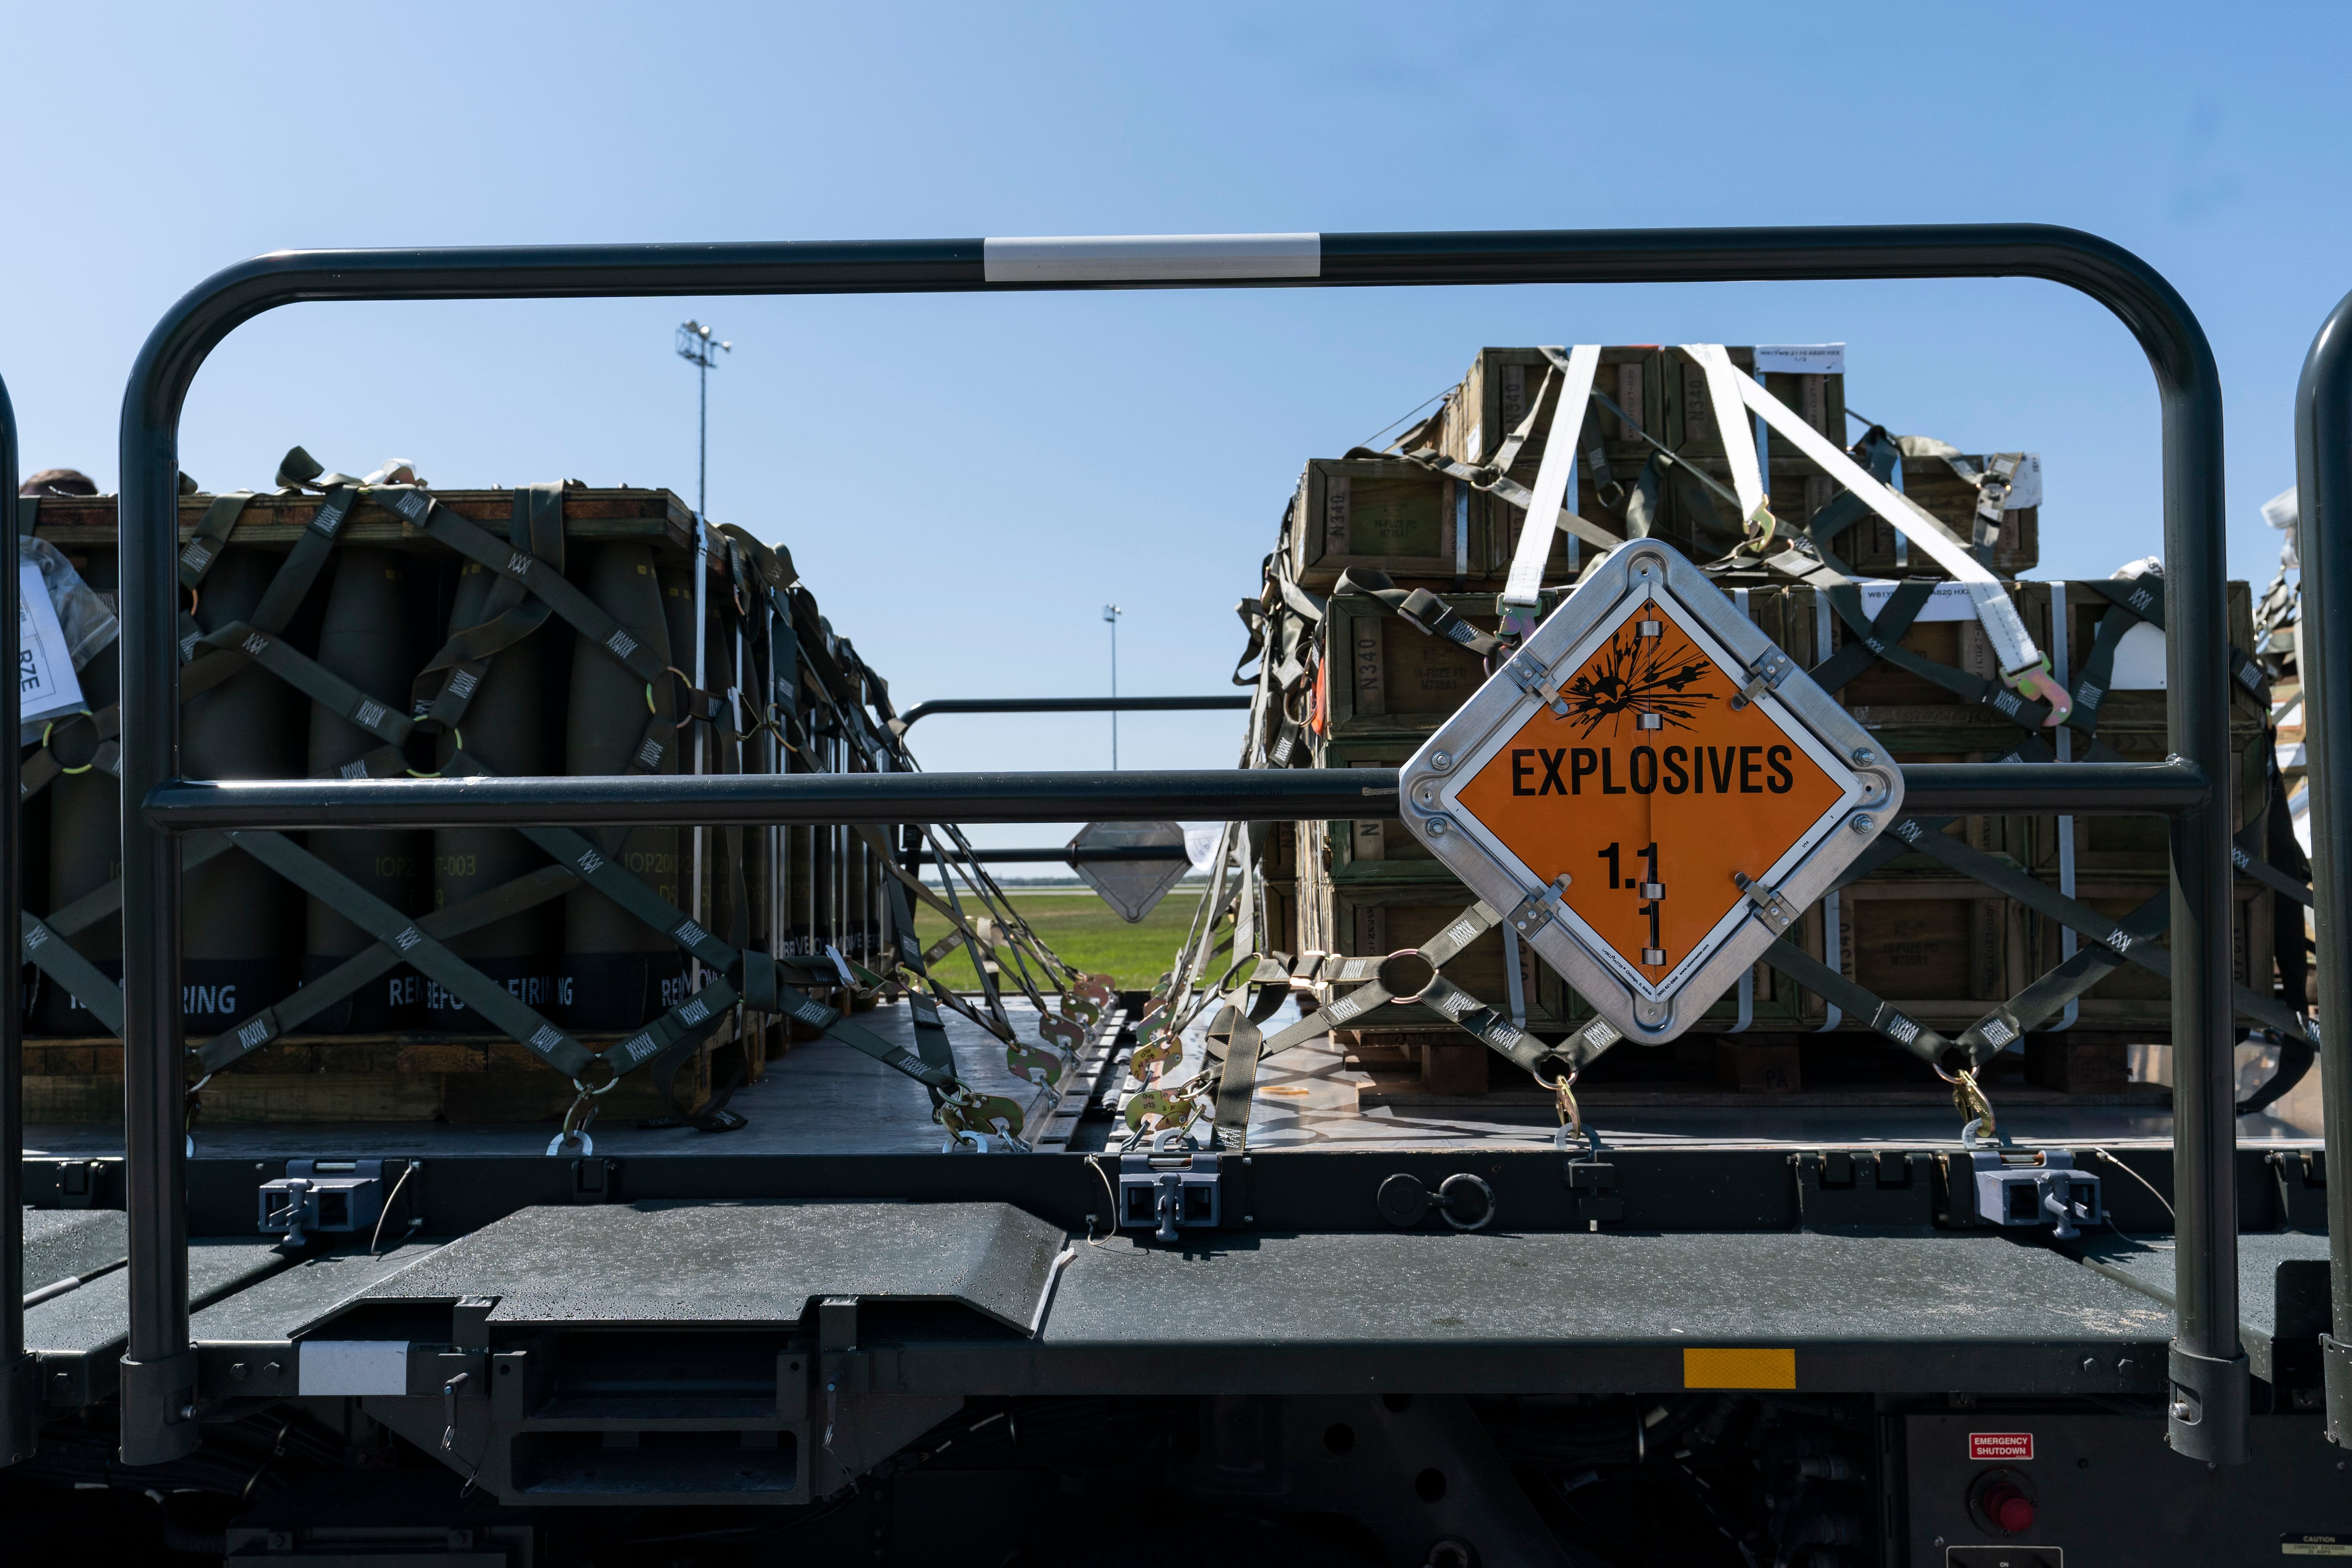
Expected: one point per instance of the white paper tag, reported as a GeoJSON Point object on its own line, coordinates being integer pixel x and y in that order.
{"type": "Point", "coordinates": [1801, 359]}
{"type": "Point", "coordinates": [1948, 602]}
{"type": "Point", "coordinates": [45, 682]}
{"type": "Point", "coordinates": [2025, 485]}
{"type": "Point", "coordinates": [2139, 660]}
{"type": "Point", "coordinates": [2280, 511]}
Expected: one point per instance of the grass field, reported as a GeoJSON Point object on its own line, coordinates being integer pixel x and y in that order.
{"type": "Point", "coordinates": [1084, 932]}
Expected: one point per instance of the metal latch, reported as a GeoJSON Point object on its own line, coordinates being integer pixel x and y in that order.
{"type": "Point", "coordinates": [1770, 907]}
{"type": "Point", "coordinates": [1529, 676]}
{"type": "Point", "coordinates": [328, 1196]}
{"type": "Point", "coordinates": [1992, 489]}
{"type": "Point", "coordinates": [1168, 1192]}
{"type": "Point", "coordinates": [1765, 675]}
{"type": "Point", "coordinates": [2032, 1187]}
{"type": "Point", "coordinates": [1544, 904]}
{"type": "Point", "coordinates": [1594, 1185]}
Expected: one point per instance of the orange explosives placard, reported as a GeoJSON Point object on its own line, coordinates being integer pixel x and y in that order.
{"type": "Point", "coordinates": [1655, 787]}
{"type": "Point", "coordinates": [1648, 791]}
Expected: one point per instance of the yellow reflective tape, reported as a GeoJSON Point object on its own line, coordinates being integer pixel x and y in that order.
{"type": "Point", "coordinates": [1739, 1367]}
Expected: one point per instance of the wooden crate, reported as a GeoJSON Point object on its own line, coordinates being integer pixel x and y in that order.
{"type": "Point", "coordinates": [2134, 1004]}
{"type": "Point", "coordinates": [1282, 921]}
{"type": "Point", "coordinates": [655, 516]}
{"type": "Point", "coordinates": [1385, 677]}
{"type": "Point", "coordinates": [1664, 392]}
{"type": "Point", "coordinates": [1374, 848]}
{"type": "Point", "coordinates": [1494, 394]}
{"type": "Point", "coordinates": [1941, 946]}
{"type": "Point", "coordinates": [410, 1076]}
{"type": "Point", "coordinates": [1873, 546]}
{"type": "Point", "coordinates": [1396, 517]}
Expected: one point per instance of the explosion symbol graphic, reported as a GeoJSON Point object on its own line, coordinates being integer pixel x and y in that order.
{"type": "Point", "coordinates": [1637, 675]}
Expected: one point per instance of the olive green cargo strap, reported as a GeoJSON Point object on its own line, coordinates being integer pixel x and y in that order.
{"type": "Point", "coordinates": [313, 679]}
{"type": "Point", "coordinates": [597, 868]}
{"type": "Point", "coordinates": [902, 881]}
{"type": "Point", "coordinates": [2133, 600]}
{"type": "Point", "coordinates": [58, 958]}
{"type": "Point", "coordinates": [697, 1015]}
{"type": "Point", "coordinates": [1857, 1001]}
{"type": "Point", "coordinates": [196, 558]}
{"type": "Point", "coordinates": [62, 962]}
{"type": "Point", "coordinates": [1420, 608]}
{"type": "Point", "coordinates": [760, 982]}
{"type": "Point", "coordinates": [2004, 877]}
{"type": "Point", "coordinates": [510, 614]}
{"type": "Point", "coordinates": [587, 616]}
{"type": "Point", "coordinates": [1458, 933]}
{"type": "Point", "coordinates": [283, 1018]}
{"type": "Point", "coordinates": [931, 1043]}
{"type": "Point", "coordinates": [506, 1011]}
{"type": "Point", "coordinates": [1829, 580]}
{"type": "Point", "coordinates": [1510, 491]}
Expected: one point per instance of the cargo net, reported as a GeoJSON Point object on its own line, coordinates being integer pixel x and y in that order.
{"type": "Point", "coordinates": [823, 707]}
{"type": "Point", "coordinates": [1229, 973]}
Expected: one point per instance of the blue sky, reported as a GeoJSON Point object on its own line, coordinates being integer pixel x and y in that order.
{"type": "Point", "coordinates": [965, 480]}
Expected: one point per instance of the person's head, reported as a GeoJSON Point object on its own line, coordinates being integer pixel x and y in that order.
{"type": "Point", "coordinates": [58, 482]}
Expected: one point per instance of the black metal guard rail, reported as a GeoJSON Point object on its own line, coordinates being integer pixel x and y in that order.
{"type": "Point", "coordinates": [2323, 475]}
{"type": "Point", "coordinates": [19, 1391]}
{"type": "Point", "coordinates": [2207, 1368]}
{"type": "Point", "coordinates": [1218, 795]}
{"type": "Point", "coordinates": [1223, 699]}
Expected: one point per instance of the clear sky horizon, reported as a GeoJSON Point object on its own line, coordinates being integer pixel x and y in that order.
{"type": "Point", "coordinates": [965, 480]}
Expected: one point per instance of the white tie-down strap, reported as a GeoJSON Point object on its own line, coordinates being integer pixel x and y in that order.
{"type": "Point", "coordinates": [1723, 391]}
{"type": "Point", "coordinates": [2012, 644]}
{"type": "Point", "coordinates": [1578, 367]}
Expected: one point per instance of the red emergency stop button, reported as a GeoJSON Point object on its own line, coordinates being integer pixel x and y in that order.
{"type": "Point", "coordinates": [2011, 1511]}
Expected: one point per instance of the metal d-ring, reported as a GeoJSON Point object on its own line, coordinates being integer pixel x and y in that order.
{"type": "Point", "coordinates": [1455, 1183]}
{"type": "Point", "coordinates": [457, 736]}
{"type": "Point", "coordinates": [1381, 974]}
{"type": "Point", "coordinates": [52, 724]}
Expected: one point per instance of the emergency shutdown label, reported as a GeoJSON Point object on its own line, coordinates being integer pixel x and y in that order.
{"type": "Point", "coordinates": [1655, 786]}
{"type": "Point", "coordinates": [2010, 1446]}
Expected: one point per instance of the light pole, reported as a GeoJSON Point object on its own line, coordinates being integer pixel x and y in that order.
{"type": "Point", "coordinates": [696, 347]}
{"type": "Point", "coordinates": [1111, 613]}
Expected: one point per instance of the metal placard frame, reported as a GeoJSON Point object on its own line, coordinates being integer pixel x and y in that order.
{"type": "Point", "coordinates": [1871, 791]}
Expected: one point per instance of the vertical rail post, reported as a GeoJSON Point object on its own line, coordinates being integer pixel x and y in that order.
{"type": "Point", "coordinates": [2211, 1381]}
{"type": "Point", "coordinates": [19, 1426]}
{"type": "Point", "coordinates": [2323, 482]}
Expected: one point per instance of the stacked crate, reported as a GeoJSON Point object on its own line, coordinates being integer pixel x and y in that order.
{"type": "Point", "coordinates": [1943, 948]}
{"type": "Point", "coordinates": [780, 891]}
{"type": "Point", "coordinates": [1946, 948]}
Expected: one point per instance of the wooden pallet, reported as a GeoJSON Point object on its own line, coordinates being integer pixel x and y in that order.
{"type": "Point", "coordinates": [385, 1078]}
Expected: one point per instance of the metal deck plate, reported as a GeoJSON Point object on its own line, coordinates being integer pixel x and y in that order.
{"type": "Point", "coordinates": [702, 1265]}
{"type": "Point", "coordinates": [286, 1303]}
{"type": "Point", "coordinates": [2282, 1292]}
{"type": "Point", "coordinates": [59, 1242]}
{"type": "Point", "coordinates": [98, 1316]}
{"type": "Point", "coordinates": [1598, 1311]}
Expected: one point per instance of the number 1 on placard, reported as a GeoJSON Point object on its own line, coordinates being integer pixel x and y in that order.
{"type": "Point", "coordinates": [1610, 855]}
